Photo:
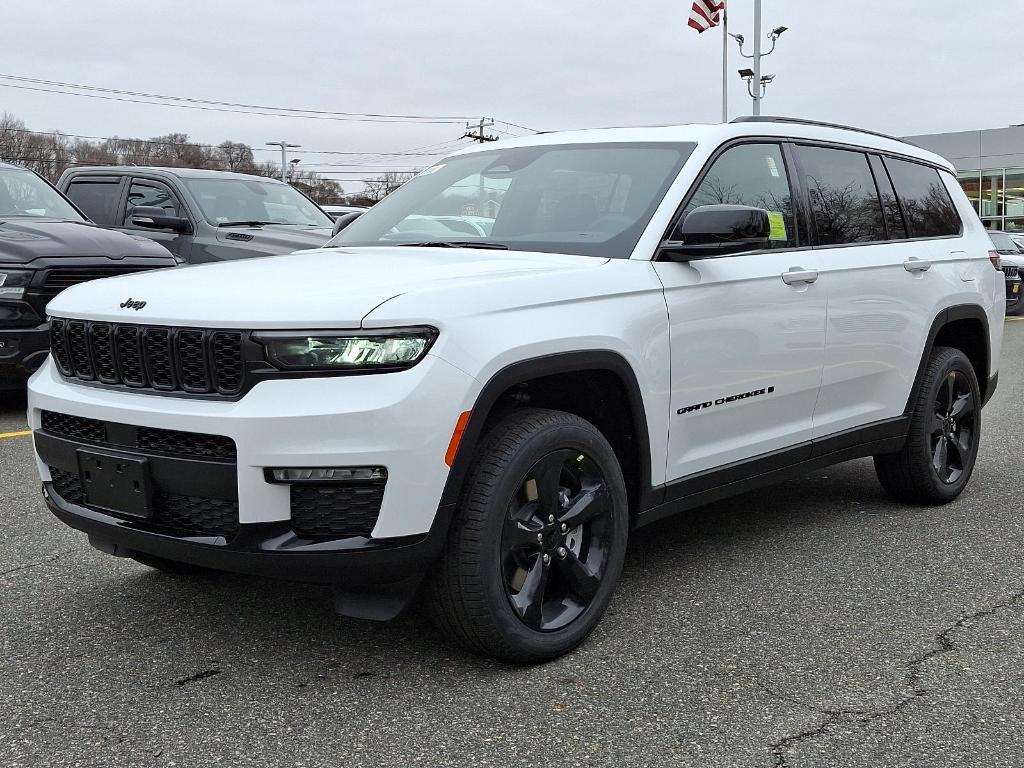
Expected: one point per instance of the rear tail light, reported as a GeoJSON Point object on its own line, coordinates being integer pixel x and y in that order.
{"type": "Point", "coordinates": [997, 262]}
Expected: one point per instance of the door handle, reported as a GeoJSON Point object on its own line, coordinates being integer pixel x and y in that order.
{"type": "Point", "coordinates": [914, 264]}
{"type": "Point", "coordinates": [797, 275]}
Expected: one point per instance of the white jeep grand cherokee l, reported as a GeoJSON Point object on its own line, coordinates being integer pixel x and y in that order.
{"type": "Point", "coordinates": [658, 318]}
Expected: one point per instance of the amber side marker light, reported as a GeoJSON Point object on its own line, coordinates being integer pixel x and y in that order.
{"type": "Point", "coordinates": [453, 445]}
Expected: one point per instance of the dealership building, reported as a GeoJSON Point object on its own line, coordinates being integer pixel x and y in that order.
{"type": "Point", "coordinates": [990, 167]}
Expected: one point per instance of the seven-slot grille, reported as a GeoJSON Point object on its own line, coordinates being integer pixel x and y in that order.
{"type": "Point", "coordinates": [192, 360]}
{"type": "Point", "coordinates": [1011, 270]}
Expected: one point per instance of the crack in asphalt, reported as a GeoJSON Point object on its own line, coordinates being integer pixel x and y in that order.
{"type": "Point", "coordinates": [942, 644]}
{"type": "Point", "coordinates": [37, 563]}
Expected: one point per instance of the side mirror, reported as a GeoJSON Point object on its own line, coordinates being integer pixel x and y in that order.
{"type": "Point", "coordinates": [344, 220]}
{"type": "Point", "coordinates": [153, 217]}
{"type": "Point", "coordinates": [719, 230]}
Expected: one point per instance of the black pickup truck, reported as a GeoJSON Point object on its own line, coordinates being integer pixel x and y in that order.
{"type": "Point", "coordinates": [46, 245]}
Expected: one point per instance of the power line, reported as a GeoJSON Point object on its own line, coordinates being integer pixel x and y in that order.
{"type": "Point", "coordinates": [262, 107]}
{"type": "Point", "coordinates": [224, 109]}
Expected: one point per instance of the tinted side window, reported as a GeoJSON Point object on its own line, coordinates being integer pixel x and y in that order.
{"type": "Point", "coordinates": [97, 198]}
{"type": "Point", "coordinates": [749, 174]}
{"type": "Point", "coordinates": [142, 193]}
{"type": "Point", "coordinates": [928, 208]}
{"type": "Point", "coordinates": [890, 205]}
{"type": "Point", "coordinates": [844, 199]}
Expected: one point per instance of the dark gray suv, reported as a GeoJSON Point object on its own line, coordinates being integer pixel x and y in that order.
{"type": "Point", "coordinates": [199, 215]}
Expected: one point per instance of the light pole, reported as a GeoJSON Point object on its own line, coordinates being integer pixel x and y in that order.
{"type": "Point", "coordinates": [285, 146]}
{"type": "Point", "coordinates": [756, 83]}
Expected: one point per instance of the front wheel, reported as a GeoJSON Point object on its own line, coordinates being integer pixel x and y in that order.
{"type": "Point", "coordinates": [945, 431]}
{"type": "Point", "coordinates": [538, 542]}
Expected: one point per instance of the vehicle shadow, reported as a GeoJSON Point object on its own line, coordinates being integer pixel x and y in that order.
{"type": "Point", "coordinates": [290, 632]}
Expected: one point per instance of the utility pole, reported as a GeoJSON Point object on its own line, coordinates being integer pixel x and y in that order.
{"type": "Point", "coordinates": [758, 91]}
{"type": "Point", "coordinates": [480, 137]}
{"type": "Point", "coordinates": [285, 146]}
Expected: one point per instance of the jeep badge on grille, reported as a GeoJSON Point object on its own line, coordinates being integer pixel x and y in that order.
{"type": "Point", "coordinates": [132, 304]}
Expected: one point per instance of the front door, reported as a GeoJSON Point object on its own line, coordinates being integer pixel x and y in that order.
{"type": "Point", "coordinates": [147, 192]}
{"type": "Point", "coordinates": [747, 337]}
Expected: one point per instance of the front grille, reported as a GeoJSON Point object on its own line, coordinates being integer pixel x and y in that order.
{"type": "Point", "coordinates": [1010, 270]}
{"type": "Point", "coordinates": [177, 514]}
{"type": "Point", "coordinates": [336, 511]}
{"type": "Point", "coordinates": [188, 360]}
{"type": "Point", "coordinates": [190, 445]}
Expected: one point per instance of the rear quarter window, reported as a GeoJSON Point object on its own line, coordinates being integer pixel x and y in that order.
{"type": "Point", "coordinates": [927, 207]}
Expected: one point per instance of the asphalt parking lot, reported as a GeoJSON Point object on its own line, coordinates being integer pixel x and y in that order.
{"type": "Point", "coordinates": [814, 624]}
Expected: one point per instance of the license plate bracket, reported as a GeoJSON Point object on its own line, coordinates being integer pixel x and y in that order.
{"type": "Point", "coordinates": [116, 483]}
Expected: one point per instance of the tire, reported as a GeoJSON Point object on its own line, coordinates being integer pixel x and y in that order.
{"type": "Point", "coordinates": [171, 566]}
{"type": "Point", "coordinates": [532, 466]}
{"type": "Point", "coordinates": [938, 457]}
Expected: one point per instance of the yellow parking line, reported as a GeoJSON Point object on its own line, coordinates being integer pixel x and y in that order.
{"type": "Point", "coordinates": [1014, 319]}
{"type": "Point", "coordinates": [25, 433]}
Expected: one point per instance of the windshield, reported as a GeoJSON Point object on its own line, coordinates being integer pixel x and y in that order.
{"type": "Point", "coordinates": [585, 199]}
{"type": "Point", "coordinates": [224, 201]}
{"type": "Point", "coordinates": [22, 193]}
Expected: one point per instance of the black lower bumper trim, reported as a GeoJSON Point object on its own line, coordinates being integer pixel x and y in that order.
{"type": "Point", "coordinates": [22, 351]}
{"type": "Point", "coordinates": [270, 550]}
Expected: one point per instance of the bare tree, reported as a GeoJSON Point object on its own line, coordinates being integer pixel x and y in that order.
{"type": "Point", "coordinates": [379, 188]}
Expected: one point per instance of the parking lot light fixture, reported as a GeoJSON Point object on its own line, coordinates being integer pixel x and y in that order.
{"type": "Point", "coordinates": [285, 146]}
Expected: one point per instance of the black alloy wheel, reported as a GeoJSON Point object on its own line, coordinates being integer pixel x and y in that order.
{"type": "Point", "coordinates": [538, 540]}
{"type": "Point", "coordinates": [953, 434]}
{"type": "Point", "coordinates": [944, 433]}
{"type": "Point", "coordinates": [556, 539]}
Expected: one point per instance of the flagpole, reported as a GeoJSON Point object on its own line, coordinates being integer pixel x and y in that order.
{"type": "Point", "coordinates": [725, 65]}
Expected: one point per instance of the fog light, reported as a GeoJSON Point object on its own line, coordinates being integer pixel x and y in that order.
{"type": "Point", "coordinates": [326, 474]}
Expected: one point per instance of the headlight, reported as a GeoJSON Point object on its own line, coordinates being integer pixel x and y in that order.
{"type": "Point", "coordinates": [13, 282]}
{"type": "Point", "coordinates": [384, 350]}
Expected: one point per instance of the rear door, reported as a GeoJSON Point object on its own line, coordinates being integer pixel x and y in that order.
{"type": "Point", "coordinates": [747, 339]}
{"type": "Point", "coordinates": [99, 197]}
{"type": "Point", "coordinates": [884, 275]}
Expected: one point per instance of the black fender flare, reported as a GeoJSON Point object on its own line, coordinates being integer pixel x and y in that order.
{"type": "Point", "coordinates": [538, 367]}
{"type": "Point", "coordinates": [942, 319]}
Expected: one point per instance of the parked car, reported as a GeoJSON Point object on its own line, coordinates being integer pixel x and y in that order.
{"type": "Point", "coordinates": [46, 245]}
{"type": "Point", "coordinates": [662, 317]}
{"type": "Point", "coordinates": [334, 211]}
{"type": "Point", "coordinates": [1011, 256]}
{"type": "Point", "coordinates": [200, 215]}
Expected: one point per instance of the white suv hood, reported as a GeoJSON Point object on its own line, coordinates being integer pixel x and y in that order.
{"type": "Point", "coordinates": [325, 288]}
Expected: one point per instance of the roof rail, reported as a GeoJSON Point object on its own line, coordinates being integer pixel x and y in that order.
{"type": "Point", "coordinates": [818, 123]}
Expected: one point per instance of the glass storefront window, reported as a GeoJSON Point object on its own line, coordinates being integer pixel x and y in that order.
{"type": "Point", "coordinates": [992, 189]}
{"type": "Point", "coordinates": [971, 182]}
{"type": "Point", "coordinates": [1013, 193]}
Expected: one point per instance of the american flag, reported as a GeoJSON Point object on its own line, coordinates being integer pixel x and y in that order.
{"type": "Point", "coordinates": [706, 14]}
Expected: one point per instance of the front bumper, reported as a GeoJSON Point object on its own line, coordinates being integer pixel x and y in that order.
{"type": "Point", "coordinates": [1013, 292]}
{"type": "Point", "coordinates": [22, 352]}
{"type": "Point", "coordinates": [400, 421]}
{"type": "Point", "coordinates": [264, 549]}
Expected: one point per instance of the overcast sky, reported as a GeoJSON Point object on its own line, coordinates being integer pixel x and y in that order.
{"type": "Point", "coordinates": [919, 66]}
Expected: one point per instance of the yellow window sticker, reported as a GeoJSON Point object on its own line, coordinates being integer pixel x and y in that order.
{"type": "Point", "coordinates": [778, 226]}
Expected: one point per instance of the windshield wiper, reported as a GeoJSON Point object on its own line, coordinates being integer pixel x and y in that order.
{"type": "Point", "coordinates": [244, 223]}
{"type": "Point", "coordinates": [457, 244]}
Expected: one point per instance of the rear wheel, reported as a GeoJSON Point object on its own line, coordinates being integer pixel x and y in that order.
{"type": "Point", "coordinates": [538, 542]}
{"type": "Point", "coordinates": [945, 430]}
